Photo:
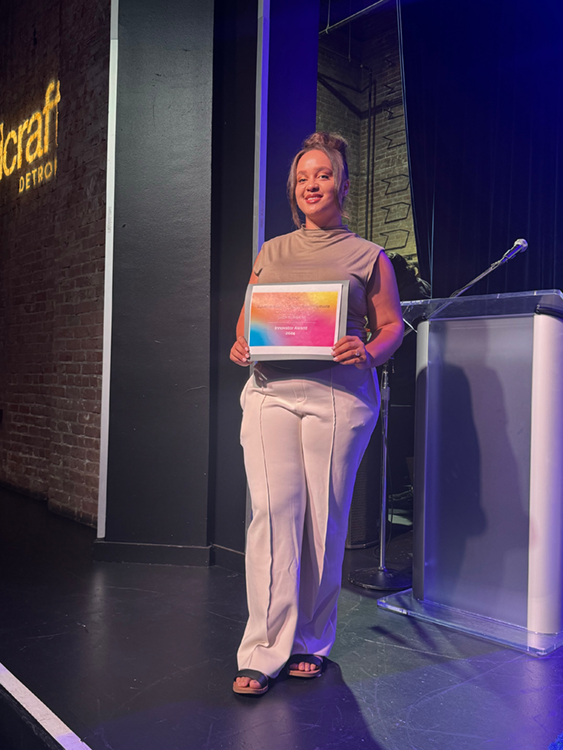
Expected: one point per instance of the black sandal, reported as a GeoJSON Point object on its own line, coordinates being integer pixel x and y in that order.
{"type": "Point", "coordinates": [310, 659]}
{"type": "Point", "coordinates": [254, 675]}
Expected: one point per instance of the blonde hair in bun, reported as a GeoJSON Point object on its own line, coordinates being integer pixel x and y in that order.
{"type": "Point", "coordinates": [334, 146]}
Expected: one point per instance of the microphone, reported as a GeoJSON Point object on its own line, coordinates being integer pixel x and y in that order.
{"type": "Point", "coordinates": [519, 246]}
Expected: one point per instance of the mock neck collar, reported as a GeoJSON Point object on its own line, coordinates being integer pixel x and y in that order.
{"type": "Point", "coordinates": [322, 235]}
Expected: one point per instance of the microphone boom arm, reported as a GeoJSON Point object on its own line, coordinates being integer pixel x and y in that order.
{"type": "Point", "coordinates": [519, 246]}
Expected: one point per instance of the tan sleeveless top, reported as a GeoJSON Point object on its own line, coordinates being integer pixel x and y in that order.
{"type": "Point", "coordinates": [322, 255]}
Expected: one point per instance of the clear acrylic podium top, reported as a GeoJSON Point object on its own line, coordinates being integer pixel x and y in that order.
{"type": "Point", "coordinates": [518, 303]}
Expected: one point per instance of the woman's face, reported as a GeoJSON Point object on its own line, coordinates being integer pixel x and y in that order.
{"type": "Point", "coordinates": [315, 191]}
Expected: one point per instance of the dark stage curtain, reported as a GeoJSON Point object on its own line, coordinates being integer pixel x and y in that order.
{"type": "Point", "coordinates": [483, 83]}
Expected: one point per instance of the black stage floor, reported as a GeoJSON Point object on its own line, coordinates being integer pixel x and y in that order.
{"type": "Point", "coordinates": [139, 657]}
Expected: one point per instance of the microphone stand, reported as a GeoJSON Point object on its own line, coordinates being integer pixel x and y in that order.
{"type": "Point", "coordinates": [382, 578]}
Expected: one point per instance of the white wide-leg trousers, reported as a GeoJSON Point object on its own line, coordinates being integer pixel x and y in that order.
{"type": "Point", "coordinates": [303, 440]}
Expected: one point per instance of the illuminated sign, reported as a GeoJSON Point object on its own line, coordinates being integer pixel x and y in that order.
{"type": "Point", "coordinates": [29, 151]}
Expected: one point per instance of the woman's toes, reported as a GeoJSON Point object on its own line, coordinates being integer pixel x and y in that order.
{"type": "Point", "coordinates": [244, 682]}
{"type": "Point", "coordinates": [304, 666]}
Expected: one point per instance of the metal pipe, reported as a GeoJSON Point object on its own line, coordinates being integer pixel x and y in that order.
{"type": "Point", "coordinates": [372, 186]}
{"type": "Point", "coordinates": [351, 18]}
{"type": "Point", "coordinates": [368, 157]}
{"type": "Point", "coordinates": [384, 422]}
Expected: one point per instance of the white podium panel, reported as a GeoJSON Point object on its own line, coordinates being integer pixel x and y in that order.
{"type": "Point", "coordinates": [488, 469]}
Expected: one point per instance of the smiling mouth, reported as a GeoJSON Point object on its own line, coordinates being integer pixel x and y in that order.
{"type": "Point", "coordinates": [313, 198]}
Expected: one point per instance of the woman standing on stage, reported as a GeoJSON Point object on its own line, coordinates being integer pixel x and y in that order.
{"type": "Point", "coordinates": [306, 425]}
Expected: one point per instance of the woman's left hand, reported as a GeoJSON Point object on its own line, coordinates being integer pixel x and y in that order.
{"type": "Point", "coordinates": [351, 350]}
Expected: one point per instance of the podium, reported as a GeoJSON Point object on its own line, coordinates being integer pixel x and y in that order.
{"type": "Point", "coordinates": [488, 483]}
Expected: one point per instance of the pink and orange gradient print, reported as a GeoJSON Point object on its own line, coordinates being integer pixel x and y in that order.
{"type": "Point", "coordinates": [307, 318]}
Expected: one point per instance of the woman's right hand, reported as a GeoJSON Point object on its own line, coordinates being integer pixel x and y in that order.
{"type": "Point", "coordinates": [240, 353]}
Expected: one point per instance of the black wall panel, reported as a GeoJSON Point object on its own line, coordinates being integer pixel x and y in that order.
{"type": "Point", "coordinates": [159, 412]}
{"type": "Point", "coordinates": [234, 96]}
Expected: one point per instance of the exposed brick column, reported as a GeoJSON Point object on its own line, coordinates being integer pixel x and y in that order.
{"type": "Point", "coordinates": [52, 253]}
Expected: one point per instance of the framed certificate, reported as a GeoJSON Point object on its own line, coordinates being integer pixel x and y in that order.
{"type": "Point", "coordinates": [296, 320]}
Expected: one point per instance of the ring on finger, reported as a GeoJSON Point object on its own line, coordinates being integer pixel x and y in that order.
{"type": "Point", "coordinates": [357, 354]}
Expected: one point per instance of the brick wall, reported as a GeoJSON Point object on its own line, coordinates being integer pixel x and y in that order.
{"type": "Point", "coordinates": [339, 102]}
{"type": "Point", "coordinates": [345, 62]}
{"type": "Point", "coordinates": [52, 250]}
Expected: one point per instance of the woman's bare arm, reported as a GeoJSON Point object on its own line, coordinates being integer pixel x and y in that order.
{"type": "Point", "coordinates": [385, 321]}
